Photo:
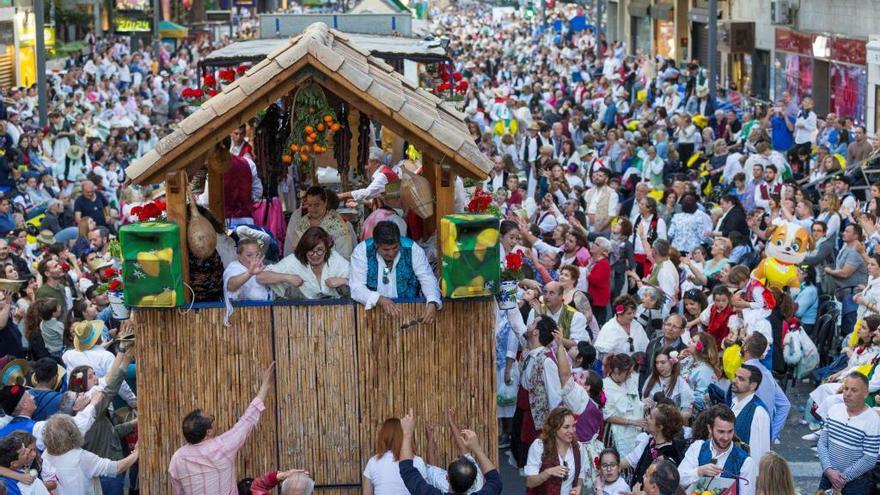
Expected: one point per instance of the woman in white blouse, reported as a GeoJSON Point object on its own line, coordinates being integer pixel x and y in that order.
{"type": "Point", "coordinates": [315, 268]}
{"type": "Point", "coordinates": [621, 334]}
{"type": "Point", "coordinates": [556, 460]}
{"type": "Point", "coordinates": [869, 299]}
{"type": "Point", "coordinates": [76, 471]}
{"type": "Point", "coordinates": [382, 474]}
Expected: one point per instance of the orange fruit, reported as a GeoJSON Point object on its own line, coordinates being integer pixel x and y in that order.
{"type": "Point", "coordinates": [309, 129]}
{"type": "Point", "coordinates": [313, 135]}
{"type": "Point", "coordinates": [286, 158]}
{"type": "Point", "coordinates": [304, 157]}
{"type": "Point", "coordinates": [310, 139]}
{"type": "Point", "coordinates": [328, 118]}
{"type": "Point", "coordinates": [320, 127]}
{"type": "Point", "coordinates": [335, 127]}
{"type": "Point", "coordinates": [294, 148]}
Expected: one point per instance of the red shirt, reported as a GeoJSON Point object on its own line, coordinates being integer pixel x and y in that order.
{"type": "Point", "coordinates": [599, 283]}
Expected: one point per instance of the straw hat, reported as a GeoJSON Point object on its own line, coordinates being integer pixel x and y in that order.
{"type": "Point", "coordinates": [10, 284]}
{"type": "Point", "coordinates": [98, 263]}
{"type": "Point", "coordinates": [87, 333]}
{"type": "Point", "coordinates": [15, 372]}
{"type": "Point", "coordinates": [59, 376]}
{"type": "Point", "coordinates": [46, 237]}
{"type": "Point", "coordinates": [702, 91]}
{"type": "Point", "coordinates": [74, 152]}
{"type": "Point", "coordinates": [533, 126]}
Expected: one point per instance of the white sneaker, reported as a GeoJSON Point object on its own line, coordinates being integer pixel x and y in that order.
{"type": "Point", "coordinates": [811, 437]}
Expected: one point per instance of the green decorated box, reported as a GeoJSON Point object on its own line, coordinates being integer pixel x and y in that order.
{"type": "Point", "coordinates": [471, 261]}
{"type": "Point", "coordinates": [151, 264]}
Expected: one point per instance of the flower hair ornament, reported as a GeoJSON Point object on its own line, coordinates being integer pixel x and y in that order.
{"type": "Point", "coordinates": [673, 357]}
{"type": "Point", "coordinates": [699, 346]}
{"type": "Point", "coordinates": [619, 309]}
{"type": "Point", "coordinates": [15, 389]}
{"type": "Point", "coordinates": [597, 462]}
{"type": "Point", "coordinates": [78, 377]}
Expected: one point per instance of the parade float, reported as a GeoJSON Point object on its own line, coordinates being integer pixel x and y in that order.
{"type": "Point", "coordinates": [341, 370]}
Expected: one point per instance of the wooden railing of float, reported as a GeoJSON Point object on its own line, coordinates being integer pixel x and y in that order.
{"type": "Point", "coordinates": [341, 371]}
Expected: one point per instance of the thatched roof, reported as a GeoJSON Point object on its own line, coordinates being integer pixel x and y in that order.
{"type": "Point", "coordinates": [329, 58]}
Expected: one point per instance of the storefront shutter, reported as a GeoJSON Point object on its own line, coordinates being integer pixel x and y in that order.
{"type": "Point", "coordinates": [7, 66]}
{"type": "Point", "coordinates": [700, 42]}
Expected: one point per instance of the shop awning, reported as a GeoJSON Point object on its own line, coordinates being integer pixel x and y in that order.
{"type": "Point", "coordinates": [168, 29]}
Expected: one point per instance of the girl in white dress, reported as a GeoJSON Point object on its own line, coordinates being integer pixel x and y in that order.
{"type": "Point", "coordinates": [666, 379]}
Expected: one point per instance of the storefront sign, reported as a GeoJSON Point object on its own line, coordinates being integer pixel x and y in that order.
{"type": "Point", "coordinates": [128, 25]}
{"type": "Point", "coordinates": [141, 5]}
{"type": "Point", "coordinates": [663, 12]}
{"type": "Point", "coordinates": [794, 42]}
{"type": "Point", "coordinates": [848, 50]}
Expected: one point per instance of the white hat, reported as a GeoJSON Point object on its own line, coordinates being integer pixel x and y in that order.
{"type": "Point", "coordinates": [376, 153]}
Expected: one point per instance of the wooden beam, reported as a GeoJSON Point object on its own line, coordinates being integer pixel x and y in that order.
{"type": "Point", "coordinates": [218, 164]}
{"type": "Point", "coordinates": [175, 199]}
{"type": "Point", "coordinates": [219, 128]}
{"type": "Point", "coordinates": [443, 186]}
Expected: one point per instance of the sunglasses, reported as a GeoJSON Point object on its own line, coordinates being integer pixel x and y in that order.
{"type": "Point", "coordinates": [632, 347]}
{"type": "Point", "coordinates": [385, 272]}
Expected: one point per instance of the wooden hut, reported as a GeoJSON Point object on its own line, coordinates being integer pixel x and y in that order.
{"type": "Point", "coordinates": [341, 370]}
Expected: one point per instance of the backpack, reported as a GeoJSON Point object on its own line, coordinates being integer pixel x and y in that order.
{"type": "Point", "coordinates": [801, 351]}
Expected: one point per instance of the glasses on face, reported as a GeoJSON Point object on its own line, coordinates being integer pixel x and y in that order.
{"type": "Point", "coordinates": [318, 251]}
{"type": "Point", "coordinates": [609, 465]}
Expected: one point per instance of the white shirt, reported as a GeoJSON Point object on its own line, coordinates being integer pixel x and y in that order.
{"type": "Point", "coordinates": [668, 280]}
{"type": "Point", "coordinates": [83, 420]}
{"type": "Point", "coordinates": [100, 360]}
{"type": "Point", "coordinates": [358, 277]}
{"type": "Point", "coordinates": [613, 339]}
{"type": "Point", "coordinates": [77, 471]}
{"type": "Point", "coordinates": [311, 288]}
{"type": "Point", "coordinates": [249, 291]}
{"type": "Point", "coordinates": [376, 187]}
{"type": "Point", "coordinates": [805, 130]}
{"type": "Point", "coordinates": [687, 469]}
{"type": "Point", "coordinates": [592, 200]}
{"type": "Point", "coordinates": [551, 375]}
{"type": "Point", "coordinates": [731, 167]}
{"type": "Point", "coordinates": [577, 331]}
{"type": "Point", "coordinates": [384, 474]}
{"type": "Point", "coordinates": [637, 243]}
{"type": "Point", "coordinates": [759, 439]}
{"type": "Point", "coordinates": [533, 465]}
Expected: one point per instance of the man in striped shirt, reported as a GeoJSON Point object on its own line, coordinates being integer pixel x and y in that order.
{"type": "Point", "coordinates": [850, 440]}
{"type": "Point", "coordinates": [206, 464]}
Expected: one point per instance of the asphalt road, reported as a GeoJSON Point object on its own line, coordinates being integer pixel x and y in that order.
{"type": "Point", "coordinates": [801, 458]}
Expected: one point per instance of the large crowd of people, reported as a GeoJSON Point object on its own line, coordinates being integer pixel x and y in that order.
{"type": "Point", "coordinates": [647, 351]}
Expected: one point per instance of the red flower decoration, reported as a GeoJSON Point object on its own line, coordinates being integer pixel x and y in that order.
{"type": "Point", "coordinates": [619, 309]}
{"type": "Point", "coordinates": [151, 211]}
{"type": "Point", "coordinates": [596, 462]}
{"type": "Point", "coordinates": [456, 76]}
{"type": "Point", "coordinates": [227, 75]}
{"type": "Point", "coordinates": [699, 346]}
{"type": "Point", "coordinates": [160, 203]}
{"type": "Point", "coordinates": [513, 261]}
{"type": "Point", "coordinates": [209, 80]}
{"type": "Point", "coordinates": [443, 87]}
{"type": "Point", "coordinates": [108, 272]}
{"type": "Point", "coordinates": [137, 211]}
{"type": "Point", "coordinates": [65, 266]}
{"type": "Point", "coordinates": [115, 285]}
{"type": "Point", "coordinates": [241, 69]}
{"type": "Point", "coordinates": [444, 76]}
{"type": "Point", "coordinates": [212, 92]}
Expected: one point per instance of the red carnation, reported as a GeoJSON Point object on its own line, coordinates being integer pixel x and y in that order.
{"type": "Point", "coordinates": [456, 76]}
{"type": "Point", "coordinates": [210, 80]}
{"type": "Point", "coordinates": [65, 266]}
{"type": "Point", "coordinates": [151, 211]}
{"type": "Point", "coordinates": [513, 261]}
{"type": "Point", "coordinates": [15, 389]}
{"type": "Point", "coordinates": [596, 462]}
{"type": "Point", "coordinates": [241, 69]}
{"type": "Point", "coordinates": [227, 75]}
{"type": "Point", "coordinates": [443, 87]}
{"type": "Point", "coordinates": [444, 76]}
{"type": "Point", "coordinates": [212, 92]}
{"type": "Point", "coordinates": [108, 272]}
{"type": "Point", "coordinates": [115, 285]}
{"type": "Point", "coordinates": [198, 93]}
{"type": "Point", "coordinates": [137, 211]}
{"type": "Point", "coordinates": [160, 203]}
{"type": "Point", "coordinates": [462, 85]}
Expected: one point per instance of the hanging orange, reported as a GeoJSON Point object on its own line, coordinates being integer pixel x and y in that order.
{"type": "Point", "coordinates": [286, 158]}
{"type": "Point", "coordinates": [310, 139]}
{"type": "Point", "coordinates": [335, 127]}
{"type": "Point", "coordinates": [309, 129]}
{"type": "Point", "coordinates": [304, 157]}
{"type": "Point", "coordinates": [328, 118]}
{"type": "Point", "coordinates": [294, 148]}
{"type": "Point", "coordinates": [320, 127]}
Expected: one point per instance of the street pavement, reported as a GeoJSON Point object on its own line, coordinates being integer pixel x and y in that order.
{"type": "Point", "coordinates": [801, 458]}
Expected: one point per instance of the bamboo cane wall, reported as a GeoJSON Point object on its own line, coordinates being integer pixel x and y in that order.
{"type": "Point", "coordinates": [340, 372]}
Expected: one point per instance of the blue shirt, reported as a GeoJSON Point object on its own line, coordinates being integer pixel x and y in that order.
{"type": "Point", "coordinates": [47, 403]}
{"type": "Point", "coordinates": [416, 484]}
{"type": "Point", "coordinates": [782, 138]}
{"type": "Point", "coordinates": [807, 302]}
{"type": "Point", "coordinates": [7, 223]}
{"type": "Point", "coordinates": [773, 397]}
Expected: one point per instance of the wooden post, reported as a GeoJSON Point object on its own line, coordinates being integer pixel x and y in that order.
{"type": "Point", "coordinates": [354, 123]}
{"type": "Point", "coordinates": [443, 187]}
{"type": "Point", "coordinates": [218, 164]}
{"type": "Point", "coordinates": [175, 199]}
